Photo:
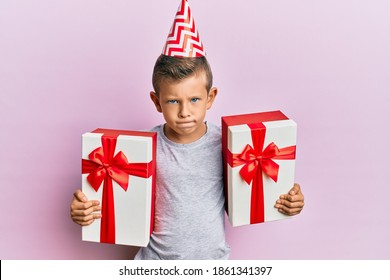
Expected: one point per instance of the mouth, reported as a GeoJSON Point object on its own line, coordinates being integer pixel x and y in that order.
{"type": "Point", "coordinates": [185, 124]}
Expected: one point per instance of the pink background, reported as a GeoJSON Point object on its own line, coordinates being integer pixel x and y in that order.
{"type": "Point", "coordinates": [68, 67]}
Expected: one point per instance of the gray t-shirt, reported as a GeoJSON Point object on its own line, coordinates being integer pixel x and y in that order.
{"type": "Point", "coordinates": [189, 206]}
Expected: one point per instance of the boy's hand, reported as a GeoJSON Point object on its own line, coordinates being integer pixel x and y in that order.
{"type": "Point", "coordinates": [82, 210]}
{"type": "Point", "coordinates": [292, 203]}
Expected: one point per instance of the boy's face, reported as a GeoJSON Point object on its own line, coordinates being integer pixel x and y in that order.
{"type": "Point", "coordinates": [184, 106]}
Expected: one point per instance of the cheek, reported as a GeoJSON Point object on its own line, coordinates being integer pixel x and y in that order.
{"type": "Point", "coordinates": [205, 106]}
{"type": "Point", "coordinates": [169, 112]}
{"type": "Point", "coordinates": [201, 110]}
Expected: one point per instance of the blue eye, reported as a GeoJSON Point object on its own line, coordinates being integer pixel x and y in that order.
{"type": "Point", "coordinates": [195, 99]}
{"type": "Point", "coordinates": [172, 101]}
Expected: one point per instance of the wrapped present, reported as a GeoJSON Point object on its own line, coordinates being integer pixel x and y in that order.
{"type": "Point", "coordinates": [118, 169]}
{"type": "Point", "coordinates": [259, 165]}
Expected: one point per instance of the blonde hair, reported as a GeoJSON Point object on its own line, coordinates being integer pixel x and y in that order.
{"type": "Point", "coordinates": [175, 69]}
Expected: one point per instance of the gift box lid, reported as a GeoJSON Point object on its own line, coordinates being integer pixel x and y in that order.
{"type": "Point", "coordinates": [115, 132]}
{"type": "Point", "coordinates": [254, 118]}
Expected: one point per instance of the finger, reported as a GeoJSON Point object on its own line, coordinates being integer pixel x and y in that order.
{"type": "Point", "coordinates": [290, 204]}
{"type": "Point", "coordinates": [80, 196]}
{"type": "Point", "coordinates": [294, 194]}
{"type": "Point", "coordinates": [81, 223]}
{"type": "Point", "coordinates": [85, 223]}
{"type": "Point", "coordinates": [85, 219]}
{"type": "Point", "coordinates": [76, 205]}
{"type": "Point", "coordinates": [85, 212]}
{"type": "Point", "coordinates": [292, 198]}
{"type": "Point", "coordinates": [289, 211]}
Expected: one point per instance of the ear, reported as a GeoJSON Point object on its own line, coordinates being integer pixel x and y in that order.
{"type": "Point", "coordinates": [211, 97]}
{"type": "Point", "coordinates": [156, 101]}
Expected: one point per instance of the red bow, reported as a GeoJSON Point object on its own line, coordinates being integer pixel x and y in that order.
{"type": "Point", "coordinates": [255, 161]}
{"type": "Point", "coordinates": [103, 166]}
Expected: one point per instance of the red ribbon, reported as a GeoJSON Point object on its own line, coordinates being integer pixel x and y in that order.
{"type": "Point", "coordinates": [103, 166]}
{"type": "Point", "coordinates": [256, 161]}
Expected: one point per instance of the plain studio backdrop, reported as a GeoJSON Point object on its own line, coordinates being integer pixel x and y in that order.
{"type": "Point", "coordinates": [68, 67]}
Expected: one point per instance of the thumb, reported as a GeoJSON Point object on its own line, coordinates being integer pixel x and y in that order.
{"type": "Point", "coordinates": [296, 189]}
{"type": "Point", "coordinates": [79, 195]}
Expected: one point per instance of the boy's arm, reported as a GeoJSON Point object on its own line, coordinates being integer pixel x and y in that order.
{"type": "Point", "coordinates": [82, 210]}
{"type": "Point", "coordinates": [292, 203]}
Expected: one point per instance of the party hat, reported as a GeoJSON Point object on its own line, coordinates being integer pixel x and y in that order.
{"type": "Point", "coordinates": [183, 39]}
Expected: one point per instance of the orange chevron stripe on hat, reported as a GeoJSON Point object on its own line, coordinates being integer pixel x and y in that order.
{"type": "Point", "coordinates": [183, 39]}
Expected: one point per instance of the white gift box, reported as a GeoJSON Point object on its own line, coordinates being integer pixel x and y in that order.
{"type": "Point", "coordinates": [130, 155]}
{"type": "Point", "coordinates": [273, 135]}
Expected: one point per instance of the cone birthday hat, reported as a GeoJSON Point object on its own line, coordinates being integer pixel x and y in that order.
{"type": "Point", "coordinates": [183, 39]}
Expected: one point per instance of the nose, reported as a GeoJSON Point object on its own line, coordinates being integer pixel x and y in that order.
{"type": "Point", "coordinates": [184, 111]}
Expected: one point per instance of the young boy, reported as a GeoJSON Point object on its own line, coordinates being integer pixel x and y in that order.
{"type": "Point", "coordinates": [189, 205]}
